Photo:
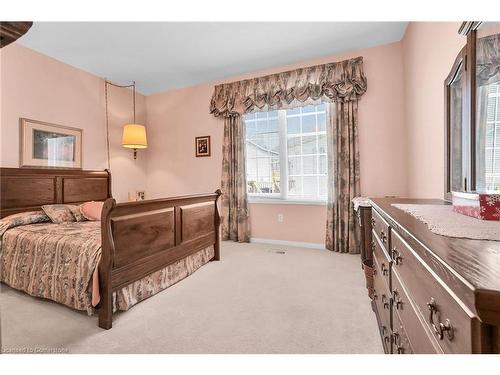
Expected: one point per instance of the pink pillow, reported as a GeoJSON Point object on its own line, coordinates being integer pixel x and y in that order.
{"type": "Point", "coordinates": [92, 210]}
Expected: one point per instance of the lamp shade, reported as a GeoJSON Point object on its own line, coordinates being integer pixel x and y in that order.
{"type": "Point", "coordinates": [134, 136]}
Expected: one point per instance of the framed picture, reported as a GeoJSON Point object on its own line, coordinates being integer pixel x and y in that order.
{"type": "Point", "coordinates": [202, 146]}
{"type": "Point", "coordinates": [47, 145]}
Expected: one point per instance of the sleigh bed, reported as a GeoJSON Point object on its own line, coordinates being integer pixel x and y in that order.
{"type": "Point", "coordinates": [134, 252]}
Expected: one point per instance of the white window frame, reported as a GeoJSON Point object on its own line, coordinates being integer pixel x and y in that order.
{"type": "Point", "coordinates": [283, 198]}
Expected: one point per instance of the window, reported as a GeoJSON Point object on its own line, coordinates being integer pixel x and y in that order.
{"type": "Point", "coordinates": [286, 153]}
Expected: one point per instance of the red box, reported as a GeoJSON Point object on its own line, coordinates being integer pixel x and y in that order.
{"type": "Point", "coordinates": [484, 206]}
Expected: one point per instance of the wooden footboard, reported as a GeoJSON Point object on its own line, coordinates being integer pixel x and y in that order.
{"type": "Point", "coordinates": [139, 238]}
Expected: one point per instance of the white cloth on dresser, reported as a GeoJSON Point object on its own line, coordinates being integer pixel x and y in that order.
{"type": "Point", "coordinates": [444, 221]}
{"type": "Point", "coordinates": [361, 202]}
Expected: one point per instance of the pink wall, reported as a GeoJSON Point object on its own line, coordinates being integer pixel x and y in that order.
{"type": "Point", "coordinates": [176, 117]}
{"type": "Point", "coordinates": [429, 50]}
{"type": "Point", "coordinates": [38, 87]}
{"type": "Point", "coordinates": [300, 223]}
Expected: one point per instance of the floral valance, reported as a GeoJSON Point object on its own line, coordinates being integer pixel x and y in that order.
{"type": "Point", "coordinates": [338, 82]}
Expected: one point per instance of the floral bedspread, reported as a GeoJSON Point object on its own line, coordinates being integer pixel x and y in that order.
{"type": "Point", "coordinates": [53, 261]}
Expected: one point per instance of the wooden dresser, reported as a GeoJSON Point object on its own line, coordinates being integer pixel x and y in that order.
{"type": "Point", "coordinates": [433, 294]}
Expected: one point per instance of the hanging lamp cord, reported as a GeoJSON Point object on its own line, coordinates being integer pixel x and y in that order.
{"type": "Point", "coordinates": [106, 83]}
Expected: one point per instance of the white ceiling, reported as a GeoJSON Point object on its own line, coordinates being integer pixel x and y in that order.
{"type": "Point", "coordinates": [164, 55]}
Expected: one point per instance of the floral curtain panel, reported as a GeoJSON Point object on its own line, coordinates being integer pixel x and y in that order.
{"type": "Point", "coordinates": [234, 213]}
{"type": "Point", "coordinates": [343, 176]}
{"type": "Point", "coordinates": [342, 84]}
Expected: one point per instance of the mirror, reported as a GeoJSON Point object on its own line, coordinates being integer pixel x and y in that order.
{"type": "Point", "coordinates": [487, 119]}
{"type": "Point", "coordinates": [458, 135]}
{"type": "Point", "coordinates": [456, 131]}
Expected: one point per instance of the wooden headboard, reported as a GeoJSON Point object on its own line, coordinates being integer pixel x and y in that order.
{"type": "Point", "coordinates": [27, 189]}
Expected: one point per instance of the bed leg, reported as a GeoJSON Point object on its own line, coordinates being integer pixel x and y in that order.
{"type": "Point", "coordinates": [216, 251]}
{"type": "Point", "coordinates": [217, 227]}
{"type": "Point", "coordinates": [106, 311]}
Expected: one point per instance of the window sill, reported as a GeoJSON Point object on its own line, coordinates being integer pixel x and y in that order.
{"type": "Point", "coordinates": [252, 200]}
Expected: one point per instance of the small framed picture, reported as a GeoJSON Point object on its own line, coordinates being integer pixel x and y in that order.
{"type": "Point", "coordinates": [202, 146]}
{"type": "Point", "coordinates": [46, 145]}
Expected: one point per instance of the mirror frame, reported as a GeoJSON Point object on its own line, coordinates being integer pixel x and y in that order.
{"type": "Point", "coordinates": [465, 59]}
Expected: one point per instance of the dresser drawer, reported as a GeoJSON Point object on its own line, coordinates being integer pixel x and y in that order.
{"type": "Point", "coordinates": [421, 339]}
{"type": "Point", "coordinates": [443, 314]}
{"type": "Point", "coordinates": [381, 297]}
{"type": "Point", "coordinates": [383, 261]}
{"type": "Point", "coordinates": [385, 331]}
{"type": "Point", "coordinates": [381, 229]}
{"type": "Point", "coordinates": [400, 342]}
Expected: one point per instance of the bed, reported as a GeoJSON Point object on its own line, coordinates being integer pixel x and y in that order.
{"type": "Point", "coordinates": [137, 249]}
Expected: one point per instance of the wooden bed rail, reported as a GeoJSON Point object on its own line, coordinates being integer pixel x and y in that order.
{"type": "Point", "coordinates": [139, 238]}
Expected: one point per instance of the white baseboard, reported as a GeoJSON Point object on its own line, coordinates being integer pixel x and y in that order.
{"type": "Point", "coordinates": [308, 245]}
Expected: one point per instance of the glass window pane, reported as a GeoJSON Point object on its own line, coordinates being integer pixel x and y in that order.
{"type": "Point", "coordinates": [321, 122]}
{"type": "Point", "coordinates": [251, 128]}
{"type": "Point", "coordinates": [307, 172]}
{"type": "Point", "coordinates": [309, 144]}
{"type": "Point", "coordinates": [252, 167]}
{"type": "Point", "coordinates": [274, 143]}
{"type": "Point", "coordinates": [309, 164]}
{"type": "Point", "coordinates": [264, 167]}
{"type": "Point", "coordinates": [262, 126]}
{"type": "Point", "coordinates": [294, 165]}
{"type": "Point", "coordinates": [251, 150]}
{"type": "Point", "coordinates": [294, 185]}
{"type": "Point", "coordinates": [293, 125]}
{"type": "Point", "coordinates": [309, 124]}
{"type": "Point", "coordinates": [272, 115]}
{"type": "Point", "coordinates": [273, 125]}
{"type": "Point", "coordinates": [294, 146]}
{"type": "Point", "coordinates": [263, 153]}
{"type": "Point", "coordinates": [308, 109]}
{"type": "Point", "coordinates": [310, 187]}
{"type": "Point", "coordinates": [323, 165]}
{"type": "Point", "coordinates": [322, 144]}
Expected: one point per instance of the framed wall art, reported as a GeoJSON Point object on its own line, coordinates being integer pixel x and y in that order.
{"type": "Point", "coordinates": [202, 146]}
{"type": "Point", "coordinates": [46, 145]}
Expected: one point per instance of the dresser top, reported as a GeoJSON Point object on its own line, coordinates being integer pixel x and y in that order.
{"type": "Point", "coordinates": [473, 264]}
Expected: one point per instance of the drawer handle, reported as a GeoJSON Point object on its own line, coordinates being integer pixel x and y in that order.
{"type": "Point", "coordinates": [397, 341]}
{"type": "Point", "coordinates": [384, 269]}
{"type": "Point", "coordinates": [396, 256]}
{"type": "Point", "coordinates": [373, 245]}
{"type": "Point", "coordinates": [385, 302]}
{"type": "Point", "coordinates": [383, 236]}
{"type": "Point", "coordinates": [397, 301]}
{"type": "Point", "coordinates": [373, 222]}
{"type": "Point", "coordinates": [439, 327]}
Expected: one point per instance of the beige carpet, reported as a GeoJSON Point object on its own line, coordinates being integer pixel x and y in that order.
{"type": "Point", "coordinates": [253, 301]}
